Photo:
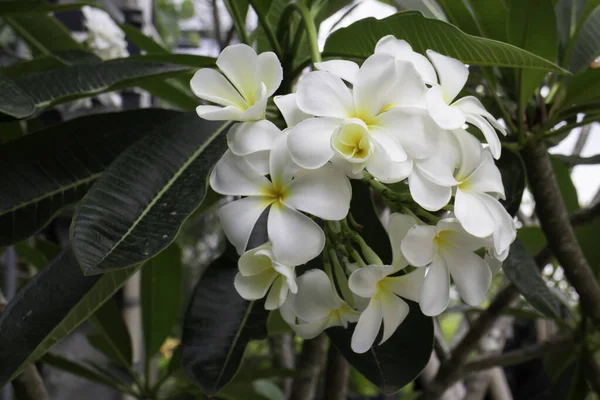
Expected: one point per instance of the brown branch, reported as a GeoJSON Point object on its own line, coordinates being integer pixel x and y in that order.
{"type": "Point", "coordinates": [217, 24]}
{"type": "Point", "coordinates": [336, 376]}
{"type": "Point", "coordinates": [309, 366]}
{"type": "Point", "coordinates": [517, 356]}
{"type": "Point", "coordinates": [554, 220]}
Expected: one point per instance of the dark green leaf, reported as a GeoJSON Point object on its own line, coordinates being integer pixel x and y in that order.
{"type": "Point", "coordinates": [142, 41]}
{"type": "Point", "coordinates": [14, 100]}
{"type": "Point", "coordinates": [521, 269]}
{"type": "Point", "coordinates": [399, 360]}
{"type": "Point", "coordinates": [48, 308]}
{"type": "Point", "coordinates": [41, 63]}
{"type": "Point", "coordinates": [56, 166]}
{"type": "Point", "coordinates": [162, 278]}
{"type": "Point", "coordinates": [31, 255]}
{"type": "Point", "coordinates": [373, 232]}
{"type": "Point", "coordinates": [587, 44]}
{"type": "Point", "coordinates": [139, 204]}
{"type": "Point", "coordinates": [459, 15]}
{"type": "Point", "coordinates": [492, 16]}
{"type": "Point", "coordinates": [42, 32]}
{"type": "Point", "coordinates": [571, 384]}
{"type": "Point", "coordinates": [512, 169]}
{"type": "Point", "coordinates": [587, 236]}
{"type": "Point", "coordinates": [112, 332]}
{"type": "Point", "coordinates": [217, 327]}
{"type": "Point", "coordinates": [359, 39]}
{"type": "Point", "coordinates": [80, 370]}
{"type": "Point", "coordinates": [531, 27]}
{"type": "Point", "coordinates": [429, 8]}
{"type": "Point", "coordinates": [567, 15]}
{"type": "Point", "coordinates": [565, 184]}
{"type": "Point", "coordinates": [276, 324]}
{"type": "Point", "coordinates": [583, 88]}
{"type": "Point", "coordinates": [532, 237]}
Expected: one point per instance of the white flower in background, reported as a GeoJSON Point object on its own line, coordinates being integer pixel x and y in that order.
{"type": "Point", "coordinates": [448, 251]}
{"type": "Point", "coordinates": [450, 114]}
{"type": "Point", "coordinates": [374, 125]}
{"type": "Point", "coordinates": [385, 305]}
{"type": "Point", "coordinates": [402, 51]}
{"type": "Point", "coordinates": [105, 37]}
{"type": "Point", "coordinates": [260, 272]}
{"type": "Point", "coordinates": [243, 86]}
{"type": "Point", "coordinates": [316, 306]}
{"type": "Point", "coordinates": [295, 238]}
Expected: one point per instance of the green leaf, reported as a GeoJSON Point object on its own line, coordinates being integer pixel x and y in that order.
{"type": "Point", "coordinates": [512, 169]}
{"type": "Point", "coordinates": [583, 88]}
{"type": "Point", "coordinates": [359, 39]}
{"type": "Point", "coordinates": [571, 383]}
{"type": "Point", "coordinates": [459, 15]}
{"type": "Point", "coordinates": [276, 324]}
{"type": "Point", "coordinates": [531, 27]}
{"type": "Point", "coordinates": [55, 167]}
{"type": "Point", "coordinates": [565, 184]}
{"type": "Point", "coordinates": [42, 33]}
{"type": "Point", "coordinates": [24, 67]}
{"type": "Point", "coordinates": [32, 255]}
{"type": "Point", "coordinates": [14, 100]}
{"type": "Point", "coordinates": [162, 278]}
{"type": "Point", "coordinates": [373, 232]}
{"type": "Point", "coordinates": [587, 44]}
{"type": "Point", "coordinates": [217, 327]}
{"type": "Point", "coordinates": [567, 15]}
{"type": "Point", "coordinates": [70, 82]}
{"type": "Point", "coordinates": [521, 269]}
{"type": "Point", "coordinates": [139, 204]}
{"type": "Point", "coordinates": [532, 237]}
{"type": "Point", "coordinates": [429, 8]}
{"type": "Point", "coordinates": [492, 16]}
{"type": "Point", "coordinates": [48, 308]}
{"type": "Point", "coordinates": [399, 360]}
{"type": "Point", "coordinates": [142, 41]}
{"type": "Point", "coordinates": [112, 333]}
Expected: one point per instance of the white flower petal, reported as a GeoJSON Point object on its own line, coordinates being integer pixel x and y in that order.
{"type": "Point", "coordinates": [289, 274]}
{"type": "Point", "coordinates": [249, 137]}
{"type": "Point", "coordinates": [256, 286]}
{"type": "Point", "coordinates": [416, 132]}
{"type": "Point", "coordinates": [401, 50]}
{"type": "Point", "coordinates": [363, 281]}
{"type": "Point", "coordinates": [438, 169]}
{"type": "Point", "coordinates": [315, 298]}
{"type": "Point", "coordinates": [407, 286]}
{"type": "Point", "coordinates": [494, 264]}
{"type": "Point", "coordinates": [212, 86]}
{"type": "Point", "coordinates": [472, 105]}
{"type": "Point", "coordinates": [289, 109]}
{"type": "Point", "coordinates": [269, 71]}
{"type": "Point", "coordinates": [238, 219]}
{"type": "Point", "coordinates": [251, 263]}
{"type": "Point", "coordinates": [310, 330]}
{"type": "Point", "coordinates": [505, 232]}
{"type": "Point", "coordinates": [455, 234]}
{"type": "Point", "coordinates": [324, 95]}
{"type": "Point", "coordinates": [324, 192]}
{"type": "Point", "coordinates": [278, 294]}
{"type": "Point", "coordinates": [344, 69]}
{"type": "Point", "coordinates": [409, 88]}
{"type": "Point", "coordinates": [427, 194]}
{"type": "Point", "coordinates": [398, 226]}
{"type": "Point", "coordinates": [453, 74]}
{"type": "Point", "coordinates": [447, 117]}
{"type": "Point", "coordinates": [309, 142]}
{"type": "Point", "coordinates": [471, 275]}
{"type": "Point", "coordinates": [373, 81]}
{"type": "Point", "coordinates": [486, 178]}
{"type": "Point", "coordinates": [281, 166]}
{"type": "Point", "coordinates": [296, 238]}
{"type": "Point", "coordinates": [385, 169]}
{"type": "Point", "coordinates": [239, 63]}
{"type": "Point", "coordinates": [235, 176]}
{"type": "Point", "coordinates": [259, 161]}
{"type": "Point", "coordinates": [393, 310]}
{"type": "Point", "coordinates": [435, 292]}
{"type": "Point", "coordinates": [388, 143]}
{"type": "Point", "coordinates": [418, 245]}
{"type": "Point", "coordinates": [216, 113]}
{"type": "Point", "coordinates": [367, 328]}
{"type": "Point", "coordinates": [473, 214]}
{"type": "Point", "coordinates": [488, 132]}
{"type": "Point", "coordinates": [470, 153]}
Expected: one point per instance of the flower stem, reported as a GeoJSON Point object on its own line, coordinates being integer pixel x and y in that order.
{"type": "Point", "coordinates": [341, 278]}
{"type": "Point", "coordinates": [311, 30]}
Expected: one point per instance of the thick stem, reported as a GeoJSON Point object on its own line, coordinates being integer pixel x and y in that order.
{"type": "Point", "coordinates": [309, 367]}
{"type": "Point", "coordinates": [337, 375]}
{"type": "Point", "coordinates": [311, 31]}
{"type": "Point", "coordinates": [554, 220]}
{"type": "Point", "coordinates": [282, 351]}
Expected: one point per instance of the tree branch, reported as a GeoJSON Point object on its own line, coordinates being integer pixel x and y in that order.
{"type": "Point", "coordinates": [554, 220]}
{"type": "Point", "coordinates": [517, 356]}
{"type": "Point", "coordinates": [337, 375]}
{"type": "Point", "coordinates": [309, 366]}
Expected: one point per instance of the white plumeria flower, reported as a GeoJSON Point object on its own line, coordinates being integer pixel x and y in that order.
{"type": "Point", "coordinates": [105, 37]}
{"type": "Point", "coordinates": [450, 114]}
{"type": "Point", "coordinates": [295, 238]}
{"type": "Point", "coordinates": [242, 89]}
{"type": "Point", "coordinates": [260, 272]}
{"type": "Point", "coordinates": [316, 306]}
{"type": "Point", "coordinates": [385, 305]}
{"type": "Point", "coordinates": [448, 251]}
{"type": "Point", "coordinates": [372, 126]}
{"type": "Point", "coordinates": [402, 51]}
{"type": "Point", "coordinates": [292, 114]}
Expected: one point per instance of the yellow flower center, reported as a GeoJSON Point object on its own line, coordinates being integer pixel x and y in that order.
{"type": "Point", "coordinates": [442, 239]}
{"type": "Point", "coordinates": [275, 194]}
{"type": "Point", "coordinates": [352, 142]}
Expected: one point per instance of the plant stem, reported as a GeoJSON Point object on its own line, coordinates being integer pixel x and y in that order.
{"type": "Point", "coordinates": [268, 31]}
{"type": "Point", "coordinates": [311, 30]}
{"type": "Point", "coordinates": [239, 24]}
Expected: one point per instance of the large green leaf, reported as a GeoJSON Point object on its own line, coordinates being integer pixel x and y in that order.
{"type": "Point", "coordinates": [48, 308]}
{"type": "Point", "coordinates": [399, 360]}
{"type": "Point", "coordinates": [162, 279]}
{"type": "Point", "coordinates": [583, 88]}
{"type": "Point", "coordinates": [17, 102]}
{"type": "Point", "coordinates": [359, 39]}
{"type": "Point", "coordinates": [459, 15]}
{"type": "Point", "coordinates": [42, 33]}
{"type": "Point", "coordinates": [587, 44]}
{"type": "Point", "coordinates": [429, 8]}
{"type": "Point", "coordinates": [139, 204]}
{"type": "Point", "coordinates": [567, 15]}
{"type": "Point", "coordinates": [373, 232]}
{"type": "Point", "coordinates": [531, 27]}
{"type": "Point", "coordinates": [70, 82]}
{"type": "Point", "coordinates": [512, 169]}
{"type": "Point", "coordinates": [492, 16]}
{"type": "Point", "coordinates": [217, 327]}
{"type": "Point", "coordinates": [54, 167]}
{"type": "Point", "coordinates": [113, 333]}
{"type": "Point", "coordinates": [521, 269]}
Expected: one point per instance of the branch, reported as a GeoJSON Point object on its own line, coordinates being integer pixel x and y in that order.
{"type": "Point", "coordinates": [309, 367]}
{"type": "Point", "coordinates": [517, 356]}
{"type": "Point", "coordinates": [217, 24]}
{"type": "Point", "coordinates": [554, 220]}
{"type": "Point", "coordinates": [336, 376]}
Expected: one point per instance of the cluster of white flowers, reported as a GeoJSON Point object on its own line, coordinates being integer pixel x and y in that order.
{"type": "Point", "coordinates": [393, 119]}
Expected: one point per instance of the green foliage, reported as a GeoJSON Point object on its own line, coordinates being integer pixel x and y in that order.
{"type": "Point", "coordinates": [587, 45]}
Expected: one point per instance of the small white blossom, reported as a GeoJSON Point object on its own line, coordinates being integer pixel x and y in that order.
{"type": "Point", "coordinates": [104, 36]}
